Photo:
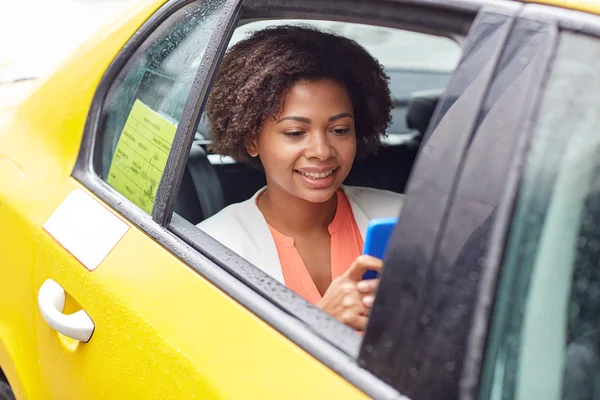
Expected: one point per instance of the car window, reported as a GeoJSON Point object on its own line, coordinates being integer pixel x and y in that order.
{"type": "Point", "coordinates": [146, 100]}
{"type": "Point", "coordinates": [212, 182]}
{"type": "Point", "coordinates": [545, 335]}
{"type": "Point", "coordinates": [419, 65]}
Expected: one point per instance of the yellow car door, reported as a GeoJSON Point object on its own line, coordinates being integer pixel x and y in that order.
{"type": "Point", "coordinates": [116, 314]}
{"type": "Point", "coordinates": [116, 296]}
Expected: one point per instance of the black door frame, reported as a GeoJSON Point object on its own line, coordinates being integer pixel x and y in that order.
{"type": "Point", "coordinates": [387, 348]}
{"type": "Point", "coordinates": [556, 19]}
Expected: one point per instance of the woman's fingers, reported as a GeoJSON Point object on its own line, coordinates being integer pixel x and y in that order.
{"type": "Point", "coordinates": [367, 289]}
{"type": "Point", "coordinates": [357, 321]}
{"type": "Point", "coordinates": [361, 265]}
{"type": "Point", "coordinates": [368, 286]}
{"type": "Point", "coordinates": [368, 300]}
{"type": "Point", "coordinates": [349, 299]}
{"type": "Point", "coordinates": [343, 301]}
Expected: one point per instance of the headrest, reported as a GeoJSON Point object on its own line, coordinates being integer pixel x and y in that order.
{"type": "Point", "coordinates": [421, 106]}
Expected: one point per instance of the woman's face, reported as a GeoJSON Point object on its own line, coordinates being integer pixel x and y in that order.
{"type": "Point", "coordinates": [307, 150]}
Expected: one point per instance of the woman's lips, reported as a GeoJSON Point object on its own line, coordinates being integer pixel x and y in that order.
{"type": "Point", "coordinates": [316, 180]}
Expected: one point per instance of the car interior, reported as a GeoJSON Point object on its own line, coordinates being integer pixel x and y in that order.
{"type": "Point", "coordinates": [212, 181]}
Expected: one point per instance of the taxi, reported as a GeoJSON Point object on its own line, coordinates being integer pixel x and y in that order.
{"type": "Point", "coordinates": [491, 286]}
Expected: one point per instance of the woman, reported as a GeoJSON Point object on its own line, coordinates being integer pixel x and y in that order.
{"type": "Point", "coordinates": [301, 104]}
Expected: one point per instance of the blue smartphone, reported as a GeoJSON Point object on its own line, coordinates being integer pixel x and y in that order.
{"type": "Point", "coordinates": [379, 231]}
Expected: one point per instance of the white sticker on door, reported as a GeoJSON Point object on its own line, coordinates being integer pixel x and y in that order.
{"type": "Point", "coordinates": [85, 228]}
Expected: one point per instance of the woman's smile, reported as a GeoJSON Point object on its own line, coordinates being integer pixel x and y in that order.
{"type": "Point", "coordinates": [317, 180]}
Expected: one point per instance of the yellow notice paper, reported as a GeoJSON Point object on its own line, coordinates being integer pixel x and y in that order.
{"type": "Point", "coordinates": [141, 155]}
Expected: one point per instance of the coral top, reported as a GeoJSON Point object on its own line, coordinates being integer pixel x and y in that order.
{"type": "Point", "coordinates": [346, 245]}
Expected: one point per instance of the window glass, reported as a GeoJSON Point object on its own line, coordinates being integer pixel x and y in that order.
{"type": "Point", "coordinates": [143, 107]}
{"type": "Point", "coordinates": [544, 341]}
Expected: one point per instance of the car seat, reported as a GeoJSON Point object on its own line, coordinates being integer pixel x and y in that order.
{"type": "Point", "coordinates": [390, 168]}
{"type": "Point", "coordinates": [200, 195]}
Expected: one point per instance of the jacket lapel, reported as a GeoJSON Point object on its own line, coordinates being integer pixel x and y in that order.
{"type": "Point", "coordinates": [265, 249]}
{"type": "Point", "coordinates": [359, 215]}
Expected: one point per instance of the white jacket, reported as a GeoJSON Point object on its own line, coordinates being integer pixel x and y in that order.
{"type": "Point", "coordinates": [243, 228]}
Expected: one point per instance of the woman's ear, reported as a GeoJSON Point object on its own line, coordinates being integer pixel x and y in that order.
{"type": "Point", "coordinates": [252, 148]}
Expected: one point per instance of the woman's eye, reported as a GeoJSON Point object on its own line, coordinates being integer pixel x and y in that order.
{"type": "Point", "coordinates": [340, 131]}
{"type": "Point", "coordinates": [293, 133]}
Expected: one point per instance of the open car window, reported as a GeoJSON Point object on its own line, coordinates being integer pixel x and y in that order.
{"type": "Point", "coordinates": [420, 67]}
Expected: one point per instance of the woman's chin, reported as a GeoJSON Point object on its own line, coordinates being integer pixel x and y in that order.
{"type": "Point", "coordinates": [318, 195]}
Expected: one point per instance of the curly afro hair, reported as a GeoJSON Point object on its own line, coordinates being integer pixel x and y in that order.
{"type": "Point", "coordinates": [257, 72]}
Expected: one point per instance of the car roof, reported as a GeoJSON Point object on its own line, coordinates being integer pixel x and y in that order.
{"type": "Point", "coordinates": [590, 6]}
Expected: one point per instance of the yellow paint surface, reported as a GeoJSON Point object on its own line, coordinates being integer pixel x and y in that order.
{"type": "Point", "coordinates": [590, 6]}
{"type": "Point", "coordinates": [162, 331]}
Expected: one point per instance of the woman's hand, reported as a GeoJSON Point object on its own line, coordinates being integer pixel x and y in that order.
{"type": "Point", "coordinates": [349, 298]}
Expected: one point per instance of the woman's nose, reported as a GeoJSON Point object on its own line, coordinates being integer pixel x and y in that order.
{"type": "Point", "coordinates": [319, 146]}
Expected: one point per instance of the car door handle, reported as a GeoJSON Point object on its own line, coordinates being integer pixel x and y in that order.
{"type": "Point", "coordinates": [51, 300]}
